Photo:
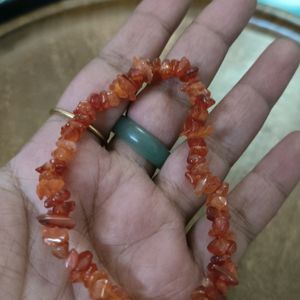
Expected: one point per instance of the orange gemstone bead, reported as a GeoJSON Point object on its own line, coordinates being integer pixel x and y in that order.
{"type": "Point", "coordinates": [192, 178]}
{"type": "Point", "coordinates": [218, 202]}
{"type": "Point", "coordinates": [198, 113]}
{"type": "Point", "coordinates": [199, 150]}
{"type": "Point", "coordinates": [85, 113]}
{"type": "Point", "coordinates": [220, 226]}
{"type": "Point", "coordinates": [124, 88]}
{"type": "Point", "coordinates": [56, 221]}
{"type": "Point", "coordinates": [55, 236]}
{"type": "Point", "coordinates": [222, 190]}
{"type": "Point", "coordinates": [194, 159]}
{"type": "Point", "coordinates": [200, 186]}
{"type": "Point", "coordinates": [62, 195]}
{"type": "Point", "coordinates": [226, 276]}
{"type": "Point", "coordinates": [63, 154]}
{"type": "Point", "coordinates": [96, 102]}
{"type": "Point", "coordinates": [212, 213]}
{"type": "Point", "coordinates": [183, 66]}
{"type": "Point", "coordinates": [221, 286]}
{"type": "Point", "coordinates": [53, 167]}
{"type": "Point", "coordinates": [166, 70]}
{"type": "Point", "coordinates": [212, 185]}
{"type": "Point", "coordinates": [61, 251]}
{"type": "Point", "coordinates": [68, 145]}
{"type": "Point", "coordinates": [99, 290]}
{"type": "Point", "coordinates": [190, 75]}
{"type": "Point", "coordinates": [88, 273]}
{"type": "Point", "coordinates": [219, 260]}
{"type": "Point", "coordinates": [97, 275]}
{"type": "Point", "coordinates": [113, 99]}
{"type": "Point", "coordinates": [48, 188]}
{"type": "Point", "coordinates": [76, 276]}
{"type": "Point", "coordinates": [72, 131]}
{"type": "Point", "coordinates": [72, 260]}
{"type": "Point", "coordinates": [57, 199]}
{"type": "Point", "coordinates": [137, 77]}
{"type": "Point", "coordinates": [194, 89]}
{"type": "Point", "coordinates": [63, 209]}
{"type": "Point", "coordinates": [194, 142]}
{"type": "Point", "coordinates": [200, 168]}
{"type": "Point", "coordinates": [84, 261]}
{"type": "Point", "coordinates": [156, 64]}
{"type": "Point", "coordinates": [144, 67]}
{"type": "Point", "coordinates": [200, 133]}
{"type": "Point", "coordinates": [220, 246]}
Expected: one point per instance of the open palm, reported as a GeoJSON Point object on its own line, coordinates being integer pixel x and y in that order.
{"type": "Point", "coordinates": [135, 225]}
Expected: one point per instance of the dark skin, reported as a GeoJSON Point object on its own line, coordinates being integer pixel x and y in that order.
{"type": "Point", "coordinates": [135, 224]}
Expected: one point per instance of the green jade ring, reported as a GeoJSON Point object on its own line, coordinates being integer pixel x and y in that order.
{"type": "Point", "coordinates": [141, 141]}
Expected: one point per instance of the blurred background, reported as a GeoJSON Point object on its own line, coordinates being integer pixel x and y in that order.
{"type": "Point", "coordinates": [44, 43]}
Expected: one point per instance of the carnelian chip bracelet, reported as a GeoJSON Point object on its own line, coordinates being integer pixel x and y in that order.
{"type": "Point", "coordinates": [56, 223]}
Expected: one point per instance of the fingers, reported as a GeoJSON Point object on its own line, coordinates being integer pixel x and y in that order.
{"type": "Point", "coordinates": [205, 43]}
{"type": "Point", "coordinates": [145, 34]}
{"type": "Point", "coordinates": [236, 121]}
{"type": "Point", "coordinates": [256, 200]}
{"type": "Point", "coordinates": [211, 34]}
{"type": "Point", "coordinates": [142, 35]}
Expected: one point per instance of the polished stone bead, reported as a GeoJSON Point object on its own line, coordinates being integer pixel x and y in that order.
{"type": "Point", "coordinates": [63, 209]}
{"type": "Point", "coordinates": [190, 74]}
{"type": "Point", "coordinates": [63, 154]}
{"type": "Point", "coordinates": [72, 131]}
{"type": "Point", "coordinates": [183, 66]}
{"type": "Point", "coordinates": [54, 236]}
{"type": "Point", "coordinates": [124, 88]}
{"type": "Point", "coordinates": [212, 185]}
{"type": "Point", "coordinates": [222, 190]}
{"type": "Point", "coordinates": [113, 99]}
{"type": "Point", "coordinates": [72, 260]}
{"type": "Point", "coordinates": [220, 226]}
{"type": "Point", "coordinates": [201, 185]}
{"type": "Point", "coordinates": [48, 188]}
{"type": "Point", "coordinates": [88, 273]}
{"type": "Point", "coordinates": [56, 221]}
{"type": "Point", "coordinates": [84, 261]}
{"type": "Point", "coordinates": [166, 70]}
{"type": "Point", "coordinates": [61, 251]}
{"type": "Point", "coordinates": [97, 275]}
{"type": "Point", "coordinates": [85, 113]}
{"type": "Point", "coordinates": [136, 76]}
{"type": "Point", "coordinates": [218, 202]}
{"type": "Point", "coordinates": [221, 246]}
{"type": "Point", "coordinates": [99, 290]}
{"type": "Point", "coordinates": [144, 67]}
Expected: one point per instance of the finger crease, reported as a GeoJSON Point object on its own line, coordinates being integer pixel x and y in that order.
{"type": "Point", "coordinates": [216, 33]}
{"type": "Point", "coordinates": [223, 152]}
{"type": "Point", "coordinates": [269, 182]}
{"type": "Point", "coordinates": [218, 143]}
{"type": "Point", "coordinates": [118, 62]}
{"type": "Point", "coordinates": [241, 222]}
{"type": "Point", "coordinates": [173, 192]}
{"type": "Point", "coordinates": [256, 94]}
{"type": "Point", "coordinates": [150, 15]}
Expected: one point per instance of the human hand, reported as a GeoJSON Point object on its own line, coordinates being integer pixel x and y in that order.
{"type": "Point", "coordinates": [133, 224]}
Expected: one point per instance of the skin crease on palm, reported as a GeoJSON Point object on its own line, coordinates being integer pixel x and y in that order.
{"type": "Point", "coordinates": [135, 225]}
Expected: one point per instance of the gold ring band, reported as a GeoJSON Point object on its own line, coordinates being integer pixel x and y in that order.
{"type": "Point", "coordinates": [69, 115]}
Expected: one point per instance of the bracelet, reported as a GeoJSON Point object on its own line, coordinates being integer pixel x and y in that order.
{"type": "Point", "coordinates": [56, 223]}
